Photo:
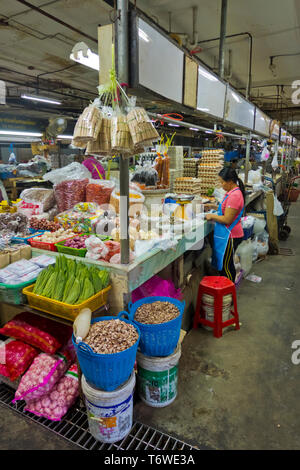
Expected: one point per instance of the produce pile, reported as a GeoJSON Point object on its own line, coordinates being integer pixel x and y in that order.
{"type": "Point", "coordinates": [77, 242]}
{"type": "Point", "coordinates": [55, 237]}
{"type": "Point", "coordinates": [43, 224]}
{"type": "Point", "coordinates": [70, 281]}
{"type": "Point", "coordinates": [156, 312]}
{"type": "Point", "coordinates": [111, 336]}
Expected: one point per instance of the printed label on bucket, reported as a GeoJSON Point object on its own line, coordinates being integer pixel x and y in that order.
{"type": "Point", "coordinates": [110, 423]}
{"type": "Point", "coordinates": [158, 387]}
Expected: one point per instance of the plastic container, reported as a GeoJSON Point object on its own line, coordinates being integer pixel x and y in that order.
{"type": "Point", "coordinates": [26, 239]}
{"type": "Point", "coordinates": [157, 378]}
{"type": "Point", "coordinates": [13, 294]}
{"type": "Point", "coordinates": [158, 340]}
{"type": "Point", "coordinates": [36, 243]}
{"type": "Point", "coordinates": [109, 413]}
{"type": "Point", "coordinates": [106, 371]}
{"type": "Point", "coordinates": [81, 252]}
{"type": "Point", "coordinates": [62, 310]}
{"type": "Point", "coordinates": [245, 253]}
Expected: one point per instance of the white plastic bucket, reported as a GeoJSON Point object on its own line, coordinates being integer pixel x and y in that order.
{"type": "Point", "coordinates": [157, 378]}
{"type": "Point", "coordinates": [109, 413]}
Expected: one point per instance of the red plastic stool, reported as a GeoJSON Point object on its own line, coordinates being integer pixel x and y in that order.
{"type": "Point", "coordinates": [217, 287]}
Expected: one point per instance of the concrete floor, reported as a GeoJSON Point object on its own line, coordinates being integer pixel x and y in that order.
{"type": "Point", "coordinates": [237, 392]}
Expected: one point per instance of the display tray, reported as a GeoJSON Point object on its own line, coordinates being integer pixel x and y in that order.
{"type": "Point", "coordinates": [61, 309]}
{"type": "Point", "coordinates": [36, 243]}
{"type": "Point", "coordinates": [81, 252]}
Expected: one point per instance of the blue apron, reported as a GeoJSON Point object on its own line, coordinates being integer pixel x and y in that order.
{"type": "Point", "coordinates": [221, 237]}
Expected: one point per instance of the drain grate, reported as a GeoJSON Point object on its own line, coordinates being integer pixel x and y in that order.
{"type": "Point", "coordinates": [75, 429]}
{"type": "Point", "coordinates": [286, 251]}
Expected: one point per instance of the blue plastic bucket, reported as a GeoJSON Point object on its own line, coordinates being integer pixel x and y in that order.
{"type": "Point", "coordinates": [106, 371]}
{"type": "Point", "coordinates": [158, 340]}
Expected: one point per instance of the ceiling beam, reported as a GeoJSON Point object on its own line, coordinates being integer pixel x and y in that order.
{"type": "Point", "coordinates": [57, 20]}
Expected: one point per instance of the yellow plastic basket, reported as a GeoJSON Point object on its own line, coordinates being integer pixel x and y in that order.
{"type": "Point", "coordinates": [62, 310]}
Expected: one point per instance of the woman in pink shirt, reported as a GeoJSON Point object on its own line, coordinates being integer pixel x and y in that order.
{"type": "Point", "coordinates": [228, 232]}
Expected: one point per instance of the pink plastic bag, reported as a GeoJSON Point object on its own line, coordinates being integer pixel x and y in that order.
{"type": "Point", "coordinates": [156, 286]}
{"type": "Point", "coordinates": [56, 403]}
{"type": "Point", "coordinates": [15, 358]}
{"type": "Point", "coordinates": [43, 374]}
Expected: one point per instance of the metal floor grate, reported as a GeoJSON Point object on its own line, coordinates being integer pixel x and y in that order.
{"type": "Point", "coordinates": [75, 429]}
{"type": "Point", "coordinates": [286, 251]}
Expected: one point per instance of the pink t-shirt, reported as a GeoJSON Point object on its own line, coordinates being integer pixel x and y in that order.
{"type": "Point", "coordinates": [235, 200]}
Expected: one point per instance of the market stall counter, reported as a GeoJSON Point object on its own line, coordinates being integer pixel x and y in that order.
{"type": "Point", "coordinates": [126, 278]}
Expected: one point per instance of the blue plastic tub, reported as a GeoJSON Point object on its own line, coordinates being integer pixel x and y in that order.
{"type": "Point", "coordinates": [158, 340]}
{"type": "Point", "coordinates": [106, 371]}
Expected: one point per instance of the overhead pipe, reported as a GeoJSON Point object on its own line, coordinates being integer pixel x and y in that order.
{"type": "Point", "coordinates": [222, 38]}
{"type": "Point", "coordinates": [54, 18]}
{"type": "Point", "coordinates": [249, 82]}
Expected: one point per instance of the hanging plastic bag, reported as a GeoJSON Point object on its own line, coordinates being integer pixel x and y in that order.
{"type": "Point", "coordinates": [265, 154]}
{"type": "Point", "coordinates": [87, 126]}
{"type": "Point", "coordinates": [278, 210]}
{"type": "Point", "coordinates": [274, 163]}
{"type": "Point", "coordinates": [141, 128]}
{"type": "Point", "coordinates": [255, 251]}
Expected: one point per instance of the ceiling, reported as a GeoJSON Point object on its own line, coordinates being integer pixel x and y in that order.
{"type": "Point", "coordinates": [35, 48]}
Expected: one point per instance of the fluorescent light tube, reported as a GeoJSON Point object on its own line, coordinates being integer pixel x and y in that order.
{"type": "Point", "coordinates": [194, 129]}
{"type": "Point", "coordinates": [143, 35]}
{"type": "Point", "coordinates": [203, 109]}
{"type": "Point", "coordinates": [64, 137]}
{"type": "Point", "coordinates": [40, 98]}
{"type": "Point", "coordinates": [91, 60]}
{"type": "Point", "coordinates": [236, 97]}
{"type": "Point", "coordinates": [208, 132]}
{"type": "Point", "coordinates": [208, 75]}
{"type": "Point", "coordinates": [174, 125]}
{"type": "Point", "coordinates": [23, 134]}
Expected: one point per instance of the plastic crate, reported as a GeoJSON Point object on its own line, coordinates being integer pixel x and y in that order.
{"type": "Point", "coordinates": [35, 231]}
{"type": "Point", "coordinates": [61, 309]}
{"type": "Point", "coordinates": [4, 175]}
{"type": "Point", "coordinates": [107, 371]}
{"type": "Point", "coordinates": [35, 243]}
{"type": "Point", "coordinates": [77, 251]}
{"type": "Point", "coordinates": [158, 340]}
{"type": "Point", "coordinates": [25, 239]}
{"type": "Point", "coordinates": [13, 294]}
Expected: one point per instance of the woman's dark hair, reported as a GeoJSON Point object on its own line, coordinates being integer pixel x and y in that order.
{"type": "Point", "coordinates": [229, 174]}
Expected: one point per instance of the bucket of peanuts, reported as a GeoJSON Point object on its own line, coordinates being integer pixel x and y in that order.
{"type": "Point", "coordinates": [108, 352]}
{"type": "Point", "coordinates": [159, 321]}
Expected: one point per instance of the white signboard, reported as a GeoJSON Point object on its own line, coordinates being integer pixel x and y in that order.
{"type": "Point", "coordinates": [211, 93]}
{"type": "Point", "coordinates": [160, 63]}
{"type": "Point", "coordinates": [238, 110]}
{"type": "Point", "coordinates": [262, 123]}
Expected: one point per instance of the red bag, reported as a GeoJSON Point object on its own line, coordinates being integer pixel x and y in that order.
{"type": "Point", "coordinates": [46, 335]}
{"type": "Point", "coordinates": [15, 358]}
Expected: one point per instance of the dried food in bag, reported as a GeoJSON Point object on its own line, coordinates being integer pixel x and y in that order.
{"type": "Point", "coordinates": [44, 373]}
{"type": "Point", "coordinates": [121, 141]}
{"type": "Point", "coordinates": [15, 358]}
{"type": "Point", "coordinates": [99, 191]}
{"type": "Point", "coordinates": [88, 125]}
{"type": "Point", "coordinates": [56, 403]}
{"type": "Point", "coordinates": [42, 333]}
{"type": "Point", "coordinates": [70, 192]}
{"type": "Point", "coordinates": [140, 126]}
{"type": "Point", "coordinates": [43, 196]}
{"type": "Point", "coordinates": [102, 145]}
